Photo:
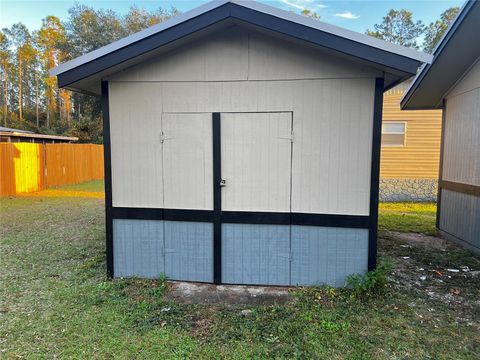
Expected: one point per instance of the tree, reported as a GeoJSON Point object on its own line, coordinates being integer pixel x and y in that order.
{"type": "Point", "coordinates": [435, 30]}
{"type": "Point", "coordinates": [311, 14]}
{"type": "Point", "coordinates": [399, 28]}
{"type": "Point", "coordinates": [25, 56]}
{"type": "Point", "coordinates": [5, 65]}
{"type": "Point", "coordinates": [138, 19]}
{"type": "Point", "coordinates": [50, 38]}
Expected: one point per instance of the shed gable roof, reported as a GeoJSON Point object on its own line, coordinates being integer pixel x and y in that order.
{"type": "Point", "coordinates": [455, 53]}
{"type": "Point", "coordinates": [393, 59]}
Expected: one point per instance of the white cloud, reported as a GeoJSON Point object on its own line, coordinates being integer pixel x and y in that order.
{"type": "Point", "coordinates": [303, 4]}
{"type": "Point", "coordinates": [296, 4]}
{"type": "Point", "coordinates": [347, 15]}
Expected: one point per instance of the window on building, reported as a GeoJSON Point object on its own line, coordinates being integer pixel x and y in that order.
{"type": "Point", "coordinates": [393, 133]}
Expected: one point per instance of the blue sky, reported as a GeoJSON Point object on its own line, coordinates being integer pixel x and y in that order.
{"type": "Point", "coordinates": [356, 15]}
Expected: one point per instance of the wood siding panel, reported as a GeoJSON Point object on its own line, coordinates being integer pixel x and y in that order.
{"type": "Point", "coordinates": [332, 117]}
{"type": "Point", "coordinates": [256, 161]}
{"type": "Point", "coordinates": [238, 53]}
{"type": "Point", "coordinates": [332, 135]}
{"type": "Point", "coordinates": [138, 247]}
{"type": "Point", "coordinates": [189, 251]}
{"type": "Point", "coordinates": [420, 157]}
{"type": "Point", "coordinates": [256, 254]}
{"type": "Point", "coordinates": [324, 255]}
{"type": "Point", "coordinates": [332, 146]}
{"type": "Point", "coordinates": [461, 159]}
{"type": "Point", "coordinates": [135, 129]}
{"type": "Point", "coordinates": [187, 161]}
{"type": "Point", "coordinates": [460, 216]}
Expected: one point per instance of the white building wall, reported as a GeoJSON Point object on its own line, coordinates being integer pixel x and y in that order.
{"type": "Point", "coordinates": [242, 71]}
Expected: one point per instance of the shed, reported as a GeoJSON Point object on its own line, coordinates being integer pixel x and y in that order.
{"type": "Point", "coordinates": [257, 148]}
{"type": "Point", "coordinates": [452, 83]}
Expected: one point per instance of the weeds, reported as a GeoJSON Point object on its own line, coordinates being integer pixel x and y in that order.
{"type": "Point", "coordinates": [372, 282]}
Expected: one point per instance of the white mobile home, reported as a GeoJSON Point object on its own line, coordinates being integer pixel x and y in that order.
{"type": "Point", "coordinates": [452, 83]}
{"type": "Point", "coordinates": [242, 145]}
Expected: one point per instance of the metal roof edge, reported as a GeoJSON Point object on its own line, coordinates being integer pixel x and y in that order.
{"type": "Point", "coordinates": [412, 89]}
{"type": "Point", "coordinates": [252, 5]}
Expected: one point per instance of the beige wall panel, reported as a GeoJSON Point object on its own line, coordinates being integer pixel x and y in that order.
{"type": "Point", "coordinates": [332, 114]}
{"type": "Point", "coordinates": [135, 126]}
{"type": "Point", "coordinates": [276, 59]}
{"type": "Point", "coordinates": [256, 161]}
{"type": "Point", "coordinates": [461, 159]}
{"type": "Point", "coordinates": [222, 56]}
{"type": "Point", "coordinates": [237, 53]}
{"type": "Point", "coordinates": [332, 147]}
{"type": "Point", "coordinates": [187, 161]}
{"type": "Point", "coordinates": [332, 131]}
{"type": "Point", "coordinates": [470, 81]}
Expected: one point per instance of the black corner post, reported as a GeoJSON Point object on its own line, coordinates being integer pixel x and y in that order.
{"type": "Point", "coordinates": [440, 166]}
{"type": "Point", "coordinates": [217, 200]}
{"type": "Point", "coordinates": [375, 173]}
{"type": "Point", "coordinates": [108, 178]}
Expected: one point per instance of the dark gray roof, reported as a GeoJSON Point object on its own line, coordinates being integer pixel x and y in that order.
{"type": "Point", "coordinates": [400, 61]}
{"type": "Point", "coordinates": [6, 129]}
{"type": "Point", "coordinates": [455, 53]}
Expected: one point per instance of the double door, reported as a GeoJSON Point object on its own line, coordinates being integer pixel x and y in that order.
{"type": "Point", "coordinates": [256, 158]}
{"type": "Point", "coordinates": [255, 167]}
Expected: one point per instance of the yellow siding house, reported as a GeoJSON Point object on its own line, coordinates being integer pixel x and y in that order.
{"type": "Point", "coordinates": [410, 150]}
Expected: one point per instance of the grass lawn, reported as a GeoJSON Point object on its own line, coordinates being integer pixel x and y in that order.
{"type": "Point", "coordinates": [408, 217]}
{"type": "Point", "coordinates": [55, 300]}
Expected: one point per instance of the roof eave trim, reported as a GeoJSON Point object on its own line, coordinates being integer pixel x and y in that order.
{"type": "Point", "coordinates": [227, 10]}
{"type": "Point", "coordinates": [414, 86]}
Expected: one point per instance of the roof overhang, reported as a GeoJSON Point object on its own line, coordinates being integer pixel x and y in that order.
{"type": "Point", "coordinates": [31, 135]}
{"type": "Point", "coordinates": [85, 73]}
{"type": "Point", "coordinates": [454, 55]}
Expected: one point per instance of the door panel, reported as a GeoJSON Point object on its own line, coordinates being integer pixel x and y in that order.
{"type": "Point", "coordinates": [256, 161]}
{"type": "Point", "coordinates": [187, 161]}
{"type": "Point", "coordinates": [256, 254]}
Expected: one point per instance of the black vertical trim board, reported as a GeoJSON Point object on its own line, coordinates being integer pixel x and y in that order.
{"type": "Point", "coordinates": [440, 166]}
{"type": "Point", "coordinates": [108, 178]}
{"type": "Point", "coordinates": [375, 173]}
{"type": "Point", "coordinates": [217, 200]}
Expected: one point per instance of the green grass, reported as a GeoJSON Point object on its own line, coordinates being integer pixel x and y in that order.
{"type": "Point", "coordinates": [94, 186]}
{"type": "Point", "coordinates": [55, 301]}
{"type": "Point", "coordinates": [408, 217]}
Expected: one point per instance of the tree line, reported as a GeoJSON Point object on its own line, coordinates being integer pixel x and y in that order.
{"type": "Point", "coordinates": [31, 100]}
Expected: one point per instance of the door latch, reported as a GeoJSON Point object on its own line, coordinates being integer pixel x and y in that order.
{"type": "Point", "coordinates": [223, 182]}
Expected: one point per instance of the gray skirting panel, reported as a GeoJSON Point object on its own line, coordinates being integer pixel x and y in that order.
{"type": "Point", "coordinates": [325, 255]}
{"type": "Point", "coordinates": [460, 217]}
{"type": "Point", "coordinates": [146, 248]}
{"type": "Point", "coordinates": [251, 253]}
{"type": "Point", "coordinates": [256, 254]}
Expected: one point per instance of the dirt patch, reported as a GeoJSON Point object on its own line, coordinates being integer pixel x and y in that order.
{"type": "Point", "coordinates": [198, 293]}
{"type": "Point", "coordinates": [422, 240]}
{"type": "Point", "coordinates": [434, 268]}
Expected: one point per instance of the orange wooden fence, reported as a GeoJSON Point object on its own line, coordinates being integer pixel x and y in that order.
{"type": "Point", "coordinates": [26, 167]}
